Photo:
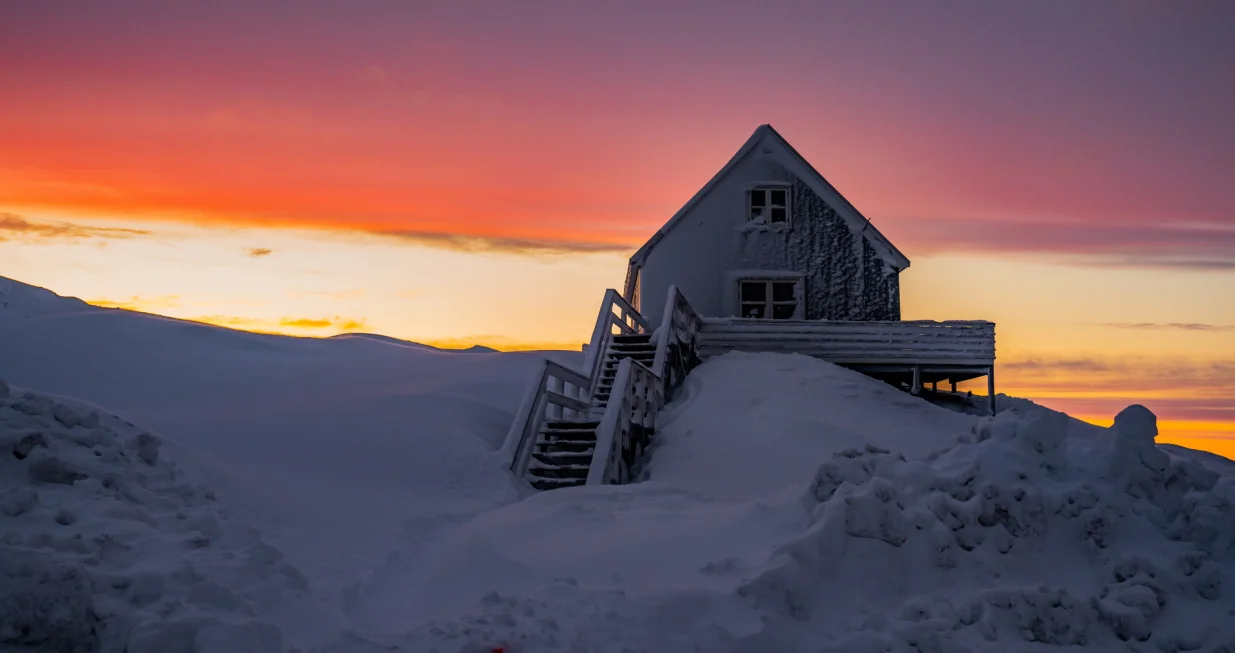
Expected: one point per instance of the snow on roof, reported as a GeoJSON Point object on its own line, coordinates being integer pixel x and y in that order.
{"type": "Point", "coordinates": [787, 156]}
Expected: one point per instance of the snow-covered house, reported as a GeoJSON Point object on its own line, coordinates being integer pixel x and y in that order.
{"type": "Point", "coordinates": [766, 257]}
{"type": "Point", "coordinates": [768, 237]}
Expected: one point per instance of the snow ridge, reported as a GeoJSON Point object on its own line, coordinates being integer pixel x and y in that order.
{"type": "Point", "coordinates": [1013, 536]}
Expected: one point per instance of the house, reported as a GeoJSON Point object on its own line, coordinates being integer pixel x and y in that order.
{"type": "Point", "coordinates": [766, 257]}
{"type": "Point", "coordinates": [768, 237]}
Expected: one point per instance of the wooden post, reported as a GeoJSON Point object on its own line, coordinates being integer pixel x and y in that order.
{"type": "Point", "coordinates": [990, 386]}
{"type": "Point", "coordinates": [934, 386]}
{"type": "Point", "coordinates": [953, 384]}
{"type": "Point", "coordinates": [916, 388]}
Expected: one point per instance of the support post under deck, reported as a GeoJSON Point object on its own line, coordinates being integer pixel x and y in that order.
{"type": "Point", "coordinates": [916, 388]}
{"type": "Point", "coordinates": [990, 386]}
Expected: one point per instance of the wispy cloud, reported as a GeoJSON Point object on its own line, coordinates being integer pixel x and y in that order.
{"type": "Point", "coordinates": [502, 343]}
{"type": "Point", "coordinates": [1196, 246]}
{"type": "Point", "coordinates": [1123, 376]}
{"type": "Point", "coordinates": [14, 226]}
{"type": "Point", "coordinates": [258, 252]}
{"type": "Point", "coordinates": [136, 303]}
{"type": "Point", "coordinates": [283, 324]}
{"type": "Point", "coordinates": [504, 245]}
{"type": "Point", "coordinates": [1178, 326]}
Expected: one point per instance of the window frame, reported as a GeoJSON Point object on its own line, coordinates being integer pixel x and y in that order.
{"type": "Point", "coordinates": [769, 302]}
{"type": "Point", "coordinates": [765, 193]}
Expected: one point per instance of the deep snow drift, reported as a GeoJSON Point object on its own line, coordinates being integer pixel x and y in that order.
{"type": "Point", "coordinates": [788, 505]}
{"type": "Point", "coordinates": [105, 545]}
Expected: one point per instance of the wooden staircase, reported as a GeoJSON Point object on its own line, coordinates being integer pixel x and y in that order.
{"type": "Point", "coordinates": [587, 427]}
{"type": "Point", "coordinates": [638, 347]}
{"type": "Point", "coordinates": [562, 454]}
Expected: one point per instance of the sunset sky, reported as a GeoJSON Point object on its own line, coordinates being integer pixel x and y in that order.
{"type": "Point", "coordinates": [461, 172]}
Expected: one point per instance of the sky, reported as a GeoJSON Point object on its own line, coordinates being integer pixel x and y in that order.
{"type": "Point", "coordinates": [463, 172]}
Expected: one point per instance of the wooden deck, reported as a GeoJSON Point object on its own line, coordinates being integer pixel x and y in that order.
{"type": "Point", "coordinates": [912, 352]}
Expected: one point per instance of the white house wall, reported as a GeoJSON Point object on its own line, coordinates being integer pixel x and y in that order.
{"type": "Point", "coordinates": [844, 278]}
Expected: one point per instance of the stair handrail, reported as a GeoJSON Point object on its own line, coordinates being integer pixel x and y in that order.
{"type": "Point", "coordinates": [625, 318]}
{"type": "Point", "coordinates": [638, 394]}
{"type": "Point", "coordinates": [615, 311]}
{"type": "Point", "coordinates": [677, 341]}
{"type": "Point", "coordinates": [553, 388]}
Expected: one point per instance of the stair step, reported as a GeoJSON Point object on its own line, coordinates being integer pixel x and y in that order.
{"type": "Point", "coordinates": [572, 424]}
{"type": "Point", "coordinates": [543, 484]}
{"type": "Point", "coordinates": [579, 435]}
{"type": "Point", "coordinates": [554, 446]}
{"type": "Point", "coordinates": [563, 457]}
{"type": "Point", "coordinates": [540, 470]}
{"type": "Point", "coordinates": [633, 338]}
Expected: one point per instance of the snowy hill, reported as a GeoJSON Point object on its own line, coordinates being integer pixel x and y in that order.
{"type": "Point", "coordinates": [788, 505]}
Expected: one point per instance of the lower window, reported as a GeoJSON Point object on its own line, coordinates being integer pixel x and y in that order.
{"type": "Point", "coordinates": [768, 299]}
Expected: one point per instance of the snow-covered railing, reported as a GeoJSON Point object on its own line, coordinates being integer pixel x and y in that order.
{"type": "Point", "coordinates": [911, 342]}
{"type": "Point", "coordinates": [616, 317]}
{"type": "Point", "coordinates": [556, 392]}
{"type": "Point", "coordinates": [639, 393]}
{"type": "Point", "coordinates": [677, 351]}
{"type": "Point", "coordinates": [628, 421]}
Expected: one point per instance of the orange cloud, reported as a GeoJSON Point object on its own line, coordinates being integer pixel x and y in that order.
{"type": "Point", "coordinates": [501, 343]}
{"type": "Point", "coordinates": [284, 326]}
{"type": "Point", "coordinates": [135, 303]}
{"type": "Point", "coordinates": [258, 252]}
{"type": "Point", "coordinates": [16, 226]}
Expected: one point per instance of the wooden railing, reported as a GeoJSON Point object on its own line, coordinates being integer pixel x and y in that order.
{"type": "Point", "coordinates": [627, 424]}
{"type": "Point", "coordinates": [916, 342]}
{"type": "Point", "coordinates": [556, 392]}
{"type": "Point", "coordinates": [628, 419]}
{"type": "Point", "coordinates": [640, 393]}
{"type": "Point", "coordinates": [616, 317]}
{"type": "Point", "coordinates": [677, 351]}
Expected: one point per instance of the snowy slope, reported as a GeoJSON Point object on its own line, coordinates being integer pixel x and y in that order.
{"type": "Point", "coordinates": [342, 449]}
{"type": "Point", "coordinates": [789, 505]}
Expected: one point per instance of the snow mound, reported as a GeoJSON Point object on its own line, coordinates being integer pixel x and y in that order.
{"type": "Point", "coordinates": [105, 546]}
{"type": "Point", "coordinates": [1014, 536]}
{"type": "Point", "coordinates": [747, 424]}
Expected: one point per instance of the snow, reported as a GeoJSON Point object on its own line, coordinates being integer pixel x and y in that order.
{"type": "Point", "coordinates": [212, 490]}
{"type": "Point", "coordinates": [106, 544]}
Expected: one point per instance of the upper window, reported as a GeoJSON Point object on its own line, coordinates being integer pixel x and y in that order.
{"type": "Point", "coordinates": [769, 204]}
{"type": "Point", "coordinates": [768, 298]}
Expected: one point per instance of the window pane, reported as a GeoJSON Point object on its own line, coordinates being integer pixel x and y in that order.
{"type": "Point", "coordinates": [778, 198]}
{"type": "Point", "coordinates": [778, 214]}
{"type": "Point", "coordinates": [782, 291]}
{"type": "Point", "coordinates": [783, 311]}
{"type": "Point", "coordinates": [752, 310]}
{"type": "Point", "coordinates": [754, 291]}
{"type": "Point", "coordinates": [757, 198]}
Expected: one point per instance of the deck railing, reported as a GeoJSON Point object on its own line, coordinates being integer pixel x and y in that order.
{"type": "Point", "coordinates": [912, 342]}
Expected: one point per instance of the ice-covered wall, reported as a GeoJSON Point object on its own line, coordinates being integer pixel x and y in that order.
{"type": "Point", "coordinates": [845, 279]}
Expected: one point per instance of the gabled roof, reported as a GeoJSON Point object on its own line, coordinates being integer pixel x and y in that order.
{"type": "Point", "coordinates": [788, 157]}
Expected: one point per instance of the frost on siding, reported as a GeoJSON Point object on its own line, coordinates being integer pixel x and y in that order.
{"type": "Point", "coordinates": [881, 286]}
{"type": "Point", "coordinates": [845, 278]}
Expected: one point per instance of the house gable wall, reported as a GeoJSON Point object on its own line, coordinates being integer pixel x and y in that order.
{"type": "Point", "coordinates": [844, 278]}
